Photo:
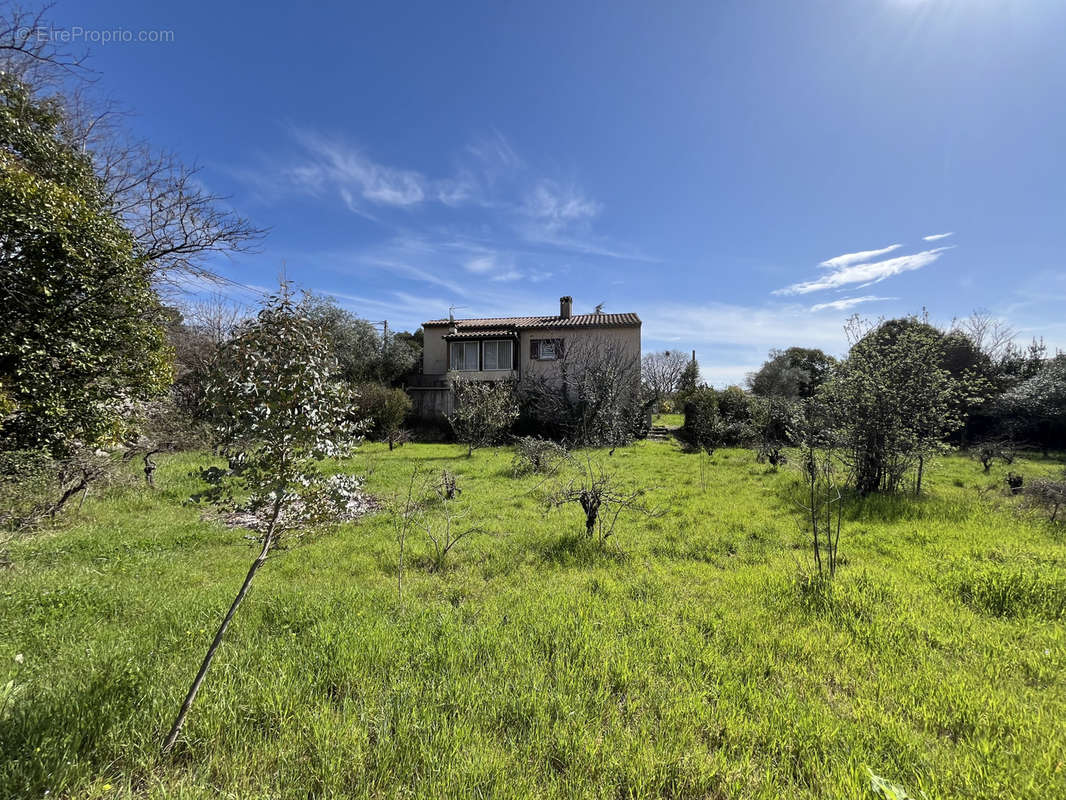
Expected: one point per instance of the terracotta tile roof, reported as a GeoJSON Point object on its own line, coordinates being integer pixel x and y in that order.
{"type": "Point", "coordinates": [575, 321]}
{"type": "Point", "coordinates": [478, 333]}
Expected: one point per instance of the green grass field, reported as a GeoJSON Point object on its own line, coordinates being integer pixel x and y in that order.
{"type": "Point", "coordinates": [682, 662]}
{"type": "Point", "coordinates": [669, 420]}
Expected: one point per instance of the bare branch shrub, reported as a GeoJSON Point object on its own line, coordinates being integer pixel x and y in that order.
{"type": "Point", "coordinates": [446, 531]}
{"type": "Point", "coordinates": [35, 486]}
{"type": "Point", "coordinates": [1047, 495]}
{"type": "Point", "coordinates": [405, 512]}
{"type": "Point", "coordinates": [821, 500]}
{"type": "Point", "coordinates": [447, 486]}
{"type": "Point", "coordinates": [162, 427]}
{"type": "Point", "coordinates": [591, 396]}
{"type": "Point", "coordinates": [536, 455]}
{"type": "Point", "coordinates": [600, 497]}
{"type": "Point", "coordinates": [428, 504]}
{"type": "Point", "coordinates": [991, 450]}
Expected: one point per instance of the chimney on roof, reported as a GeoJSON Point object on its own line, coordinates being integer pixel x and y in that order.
{"type": "Point", "coordinates": [566, 306]}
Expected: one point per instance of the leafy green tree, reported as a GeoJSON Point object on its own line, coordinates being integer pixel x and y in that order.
{"type": "Point", "coordinates": [734, 405]}
{"type": "Point", "coordinates": [80, 325]}
{"type": "Point", "coordinates": [280, 409]}
{"type": "Point", "coordinates": [795, 373]}
{"type": "Point", "coordinates": [364, 354]}
{"type": "Point", "coordinates": [1035, 409]}
{"type": "Point", "coordinates": [895, 402]}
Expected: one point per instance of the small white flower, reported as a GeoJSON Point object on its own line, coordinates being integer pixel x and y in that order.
{"type": "Point", "coordinates": [18, 658]}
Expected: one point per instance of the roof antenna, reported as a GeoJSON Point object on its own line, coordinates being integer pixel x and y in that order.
{"type": "Point", "coordinates": [451, 317]}
{"type": "Point", "coordinates": [599, 308]}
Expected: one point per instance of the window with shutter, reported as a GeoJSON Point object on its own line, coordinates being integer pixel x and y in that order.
{"type": "Point", "coordinates": [546, 349]}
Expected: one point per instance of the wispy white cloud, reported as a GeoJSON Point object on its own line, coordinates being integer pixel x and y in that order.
{"type": "Point", "coordinates": [494, 153]}
{"type": "Point", "coordinates": [846, 260]}
{"type": "Point", "coordinates": [848, 302]}
{"type": "Point", "coordinates": [933, 237]}
{"type": "Point", "coordinates": [866, 274]}
{"type": "Point", "coordinates": [506, 276]}
{"type": "Point", "coordinates": [334, 164]}
{"type": "Point", "coordinates": [490, 189]}
{"type": "Point", "coordinates": [481, 264]}
{"type": "Point", "coordinates": [557, 206]}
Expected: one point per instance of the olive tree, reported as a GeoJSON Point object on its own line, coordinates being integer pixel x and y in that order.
{"type": "Point", "coordinates": [484, 412]}
{"type": "Point", "coordinates": [794, 373]}
{"type": "Point", "coordinates": [279, 410]}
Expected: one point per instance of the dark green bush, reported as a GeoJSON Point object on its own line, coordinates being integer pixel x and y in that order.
{"type": "Point", "coordinates": [716, 419]}
{"type": "Point", "coordinates": [384, 409]}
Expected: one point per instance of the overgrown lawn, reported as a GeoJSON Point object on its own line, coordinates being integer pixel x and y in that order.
{"type": "Point", "coordinates": [684, 659]}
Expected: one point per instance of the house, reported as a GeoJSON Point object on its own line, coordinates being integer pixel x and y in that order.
{"type": "Point", "coordinates": [511, 348]}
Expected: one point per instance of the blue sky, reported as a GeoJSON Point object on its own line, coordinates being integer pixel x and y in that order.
{"type": "Point", "coordinates": [743, 175]}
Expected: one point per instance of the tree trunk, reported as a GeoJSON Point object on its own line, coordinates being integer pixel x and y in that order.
{"type": "Point", "coordinates": [149, 469]}
{"type": "Point", "coordinates": [81, 486]}
{"type": "Point", "coordinates": [268, 540]}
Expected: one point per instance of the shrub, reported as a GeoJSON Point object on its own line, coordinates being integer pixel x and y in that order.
{"type": "Point", "coordinates": [772, 420]}
{"type": "Point", "coordinates": [384, 409]}
{"type": "Point", "coordinates": [702, 429]}
{"type": "Point", "coordinates": [711, 423]}
{"type": "Point", "coordinates": [988, 451]}
{"type": "Point", "coordinates": [1048, 495]}
{"type": "Point", "coordinates": [536, 455]}
{"type": "Point", "coordinates": [1015, 482]}
{"type": "Point", "coordinates": [484, 411]}
{"type": "Point", "coordinates": [896, 404]}
{"type": "Point", "coordinates": [593, 397]}
{"type": "Point", "coordinates": [601, 499]}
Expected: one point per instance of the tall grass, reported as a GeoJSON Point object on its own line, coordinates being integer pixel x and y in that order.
{"type": "Point", "coordinates": [685, 662]}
